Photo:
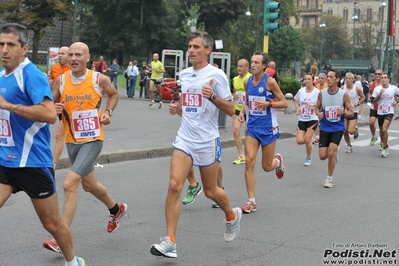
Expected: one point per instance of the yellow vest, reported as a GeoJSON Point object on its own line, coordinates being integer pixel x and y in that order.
{"type": "Point", "coordinates": [238, 84]}
{"type": "Point", "coordinates": [158, 66]}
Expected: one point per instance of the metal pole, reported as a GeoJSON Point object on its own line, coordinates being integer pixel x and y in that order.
{"type": "Point", "coordinates": [393, 54]}
{"type": "Point", "coordinates": [354, 18]}
{"type": "Point", "coordinates": [322, 25]}
{"type": "Point", "coordinates": [75, 13]}
{"type": "Point", "coordinates": [62, 30]}
{"type": "Point", "coordinates": [381, 36]}
{"type": "Point", "coordinates": [257, 26]}
{"type": "Point", "coordinates": [387, 40]}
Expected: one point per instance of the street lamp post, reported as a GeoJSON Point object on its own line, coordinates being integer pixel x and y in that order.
{"type": "Point", "coordinates": [382, 6]}
{"type": "Point", "coordinates": [354, 18]}
{"type": "Point", "coordinates": [322, 26]}
{"type": "Point", "coordinates": [75, 13]}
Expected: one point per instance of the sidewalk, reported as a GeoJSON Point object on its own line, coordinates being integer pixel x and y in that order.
{"type": "Point", "coordinates": [138, 131]}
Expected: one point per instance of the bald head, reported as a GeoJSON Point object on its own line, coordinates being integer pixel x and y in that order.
{"type": "Point", "coordinates": [63, 55]}
{"type": "Point", "coordinates": [155, 57]}
{"type": "Point", "coordinates": [78, 56]}
{"type": "Point", "coordinates": [272, 64]}
{"type": "Point", "coordinates": [242, 67]}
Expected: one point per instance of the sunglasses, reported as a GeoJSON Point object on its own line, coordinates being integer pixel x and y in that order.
{"type": "Point", "coordinates": [377, 73]}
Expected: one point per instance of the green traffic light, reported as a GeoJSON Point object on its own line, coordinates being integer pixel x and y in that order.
{"type": "Point", "coordinates": [271, 16]}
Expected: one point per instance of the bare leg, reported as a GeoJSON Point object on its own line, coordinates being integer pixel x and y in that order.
{"type": "Point", "coordinates": [59, 143]}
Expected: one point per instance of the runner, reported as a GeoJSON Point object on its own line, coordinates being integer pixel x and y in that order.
{"type": "Point", "coordinates": [305, 102]}
{"type": "Point", "coordinates": [330, 110]}
{"type": "Point", "coordinates": [262, 99]}
{"type": "Point", "coordinates": [78, 94]}
{"type": "Point", "coordinates": [386, 97]}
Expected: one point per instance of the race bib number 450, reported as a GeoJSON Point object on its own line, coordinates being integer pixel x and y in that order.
{"type": "Point", "coordinates": [86, 124]}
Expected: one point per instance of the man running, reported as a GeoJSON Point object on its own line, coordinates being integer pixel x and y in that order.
{"type": "Point", "coordinates": [385, 95]}
{"type": "Point", "coordinates": [78, 95]}
{"type": "Point", "coordinates": [26, 163]}
{"type": "Point", "coordinates": [156, 79]}
{"type": "Point", "coordinates": [55, 72]}
{"type": "Point", "coordinates": [205, 92]}
{"type": "Point", "coordinates": [239, 97]}
{"type": "Point", "coordinates": [374, 107]}
{"type": "Point", "coordinates": [330, 110]}
{"type": "Point", "coordinates": [263, 97]}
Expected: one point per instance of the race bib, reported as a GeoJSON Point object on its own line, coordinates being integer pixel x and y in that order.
{"type": "Point", "coordinates": [86, 124]}
{"type": "Point", "coordinates": [6, 138]}
{"type": "Point", "coordinates": [192, 102]}
{"type": "Point", "coordinates": [240, 97]}
{"type": "Point", "coordinates": [307, 111]}
{"type": "Point", "coordinates": [331, 113]}
{"type": "Point", "coordinates": [253, 110]}
{"type": "Point", "coordinates": [384, 107]}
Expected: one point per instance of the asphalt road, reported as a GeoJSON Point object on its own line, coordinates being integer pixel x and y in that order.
{"type": "Point", "coordinates": [297, 222]}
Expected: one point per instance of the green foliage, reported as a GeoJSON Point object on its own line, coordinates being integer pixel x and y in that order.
{"type": "Point", "coordinates": [367, 44]}
{"type": "Point", "coordinates": [286, 45]}
{"type": "Point", "coordinates": [35, 15]}
{"type": "Point", "coordinates": [336, 41]}
{"type": "Point", "coordinates": [289, 85]}
{"type": "Point", "coordinates": [191, 20]}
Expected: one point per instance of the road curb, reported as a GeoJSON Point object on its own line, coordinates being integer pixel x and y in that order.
{"type": "Point", "coordinates": [131, 155]}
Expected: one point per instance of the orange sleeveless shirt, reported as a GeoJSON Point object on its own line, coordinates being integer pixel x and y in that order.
{"type": "Point", "coordinates": [82, 110]}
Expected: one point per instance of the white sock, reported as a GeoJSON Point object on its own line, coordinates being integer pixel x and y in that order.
{"type": "Point", "coordinates": [252, 199]}
{"type": "Point", "coordinates": [71, 263]}
{"type": "Point", "coordinates": [278, 163]}
{"type": "Point", "coordinates": [329, 177]}
{"type": "Point", "coordinates": [152, 101]}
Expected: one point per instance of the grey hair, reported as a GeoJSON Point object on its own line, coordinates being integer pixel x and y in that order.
{"type": "Point", "coordinates": [17, 29]}
{"type": "Point", "coordinates": [323, 75]}
{"type": "Point", "coordinates": [350, 74]}
{"type": "Point", "coordinates": [207, 40]}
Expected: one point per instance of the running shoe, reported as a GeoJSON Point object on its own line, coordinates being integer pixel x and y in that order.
{"type": "Point", "coordinates": [160, 105]}
{"type": "Point", "coordinates": [80, 261]}
{"type": "Point", "coordinates": [233, 227]}
{"type": "Point", "coordinates": [52, 245]}
{"type": "Point", "coordinates": [240, 159]}
{"type": "Point", "coordinates": [308, 162]}
{"type": "Point", "coordinates": [381, 147]}
{"type": "Point", "coordinates": [280, 169]}
{"type": "Point", "coordinates": [328, 183]}
{"type": "Point", "coordinates": [151, 104]}
{"type": "Point", "coordinates": [349, 149]}
{"type": "Point", "coordinates": [192, 192]}
{"type": "Point", "coordinates": [166, 248]}
{"type": "Point", "coordinates": [113, 222]}
{"type": "Point", "coordinates": [373, 141]}
{"type": "Point", "coordinates": [215, 205]}
{"type": "Point", "coordinates": [385, 152]}
{"type": "Point", "coordinates": [356, 135]}
{"type": "Point", "coordinates": [249, 207]}
{"type": "Point", "coordinates": [316, 140]}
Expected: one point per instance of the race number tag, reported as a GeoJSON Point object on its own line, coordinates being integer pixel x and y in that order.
{"type": "Point", "coordinates": [240, 97]}
{"type": "Point", "coordinates": [6, 138]}
{"type": "Point", "coordinates": [307, 111]}
{"type": "Point", "coordinates": [253, 110]}
{"type": "Point", "coordinates": [86, 124]}
{"type": "Point", "coordinates": [331, 113]}
{"type": "Point", "coordinates": [192, 102]}
{"type": "Point", "coordinates": [385, 107]}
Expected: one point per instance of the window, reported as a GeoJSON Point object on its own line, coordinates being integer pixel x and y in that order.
{"type": "Point", "coordinates": [330, 11]}
{"type": "Point", "coordinates": [345, 14]}
{"type": "Point", "coordinates": [369, 14]}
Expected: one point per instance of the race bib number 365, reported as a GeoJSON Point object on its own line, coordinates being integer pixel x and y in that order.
{"type": "Point", "coordinates": [86, 124]}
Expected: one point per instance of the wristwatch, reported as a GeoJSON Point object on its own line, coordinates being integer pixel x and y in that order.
{"type": "Point", "coordinates": [109, 111]}
{"type": "Point", "coordinates": [213, 97]}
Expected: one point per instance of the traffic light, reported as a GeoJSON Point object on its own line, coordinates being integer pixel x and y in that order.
{"type": "Point", "coordinates": [271, 16]}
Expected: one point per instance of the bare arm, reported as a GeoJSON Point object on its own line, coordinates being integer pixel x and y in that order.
{"type": "Point", "coordinates": [42, 112]}
{"type": "Point", "coordinates": [361, 95]}
{"type": "Point", "coordinates": [226, 106]}
{"type": "Point", "coordinates": [275, 88]}
{"type": "Point", "coordinates": [347, 103]}
{"type": "Point", "coordinates": [110, 91]}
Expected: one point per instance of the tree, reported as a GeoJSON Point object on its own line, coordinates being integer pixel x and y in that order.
{"type": "Point", "coordinates": [367, 42]}
{"type": "Point", "coordinates": [336, 41]}
{"type": "Point", "coordinates": [36, 15]}
{"type": "Point", "coordinates": [286, 45]}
